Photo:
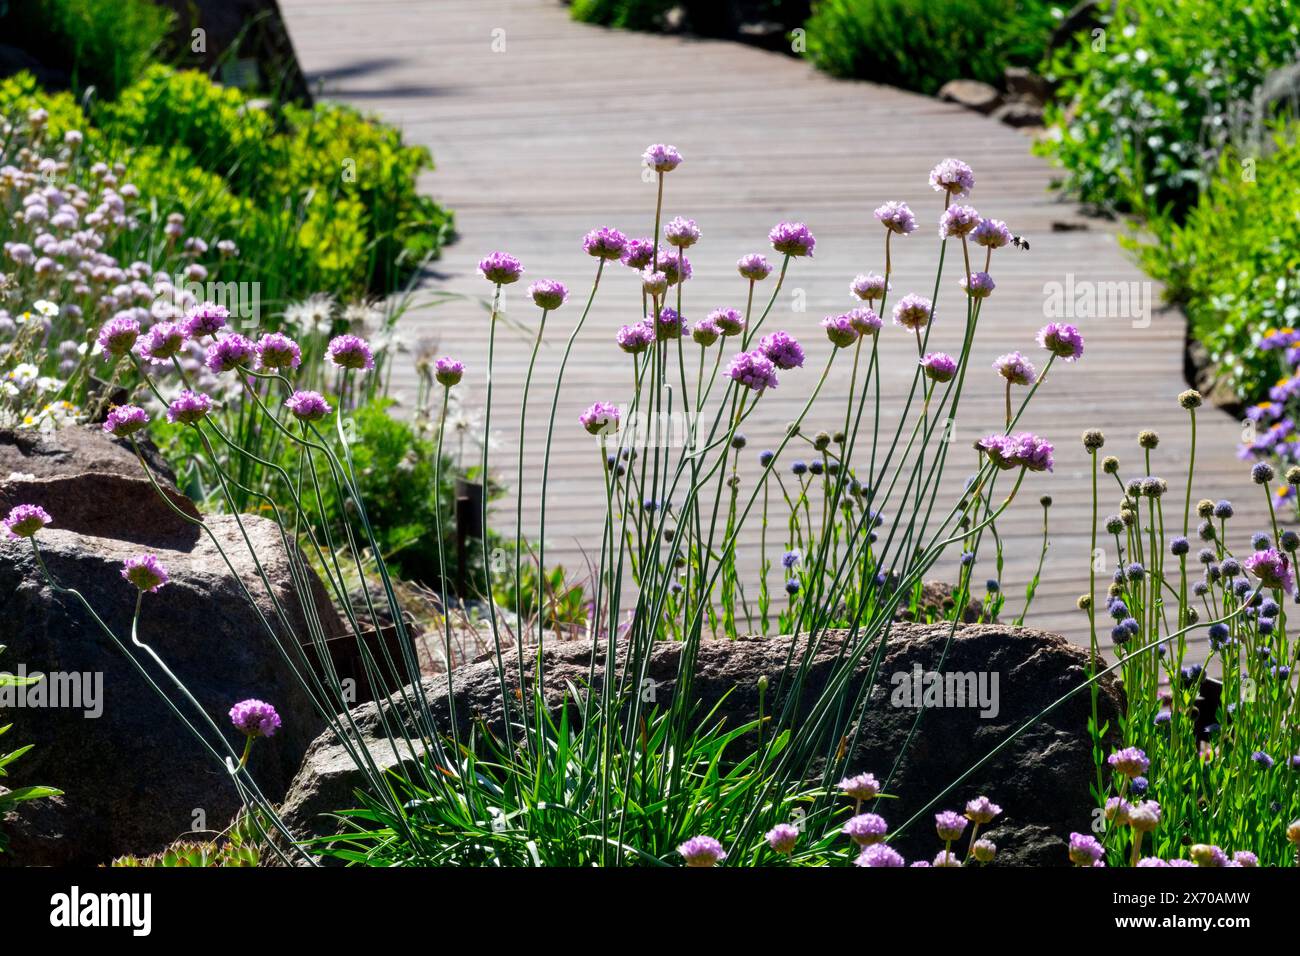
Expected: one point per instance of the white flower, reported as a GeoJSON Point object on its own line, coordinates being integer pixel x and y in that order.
{"type": "Point", "coordinates": [46, 308]}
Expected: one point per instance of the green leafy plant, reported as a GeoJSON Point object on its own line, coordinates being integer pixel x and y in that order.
{"type": "Point", "coordinates": [101, 45]}
{"type": "Point", "coordinates": [922, 44]}
{"type": "Point", "coordinates": [1237, 282]}
{"type": "Point", "coordinates": [1144, 108]}
{"type": "Point", "coordinates": [11, 798]}
{"type": "Point", "coordinates": [237, 847]}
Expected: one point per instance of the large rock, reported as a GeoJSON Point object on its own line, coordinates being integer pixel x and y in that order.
{"type": "Point", "coordinates": [1041, 779]}
{"type": "Point", "coordinates": [971, 94]}
{"type": "Point", "coordinates": [134, 778]}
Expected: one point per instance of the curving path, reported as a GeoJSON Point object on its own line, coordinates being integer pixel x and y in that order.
{"type": "Point", "coordinates": [541, 141]}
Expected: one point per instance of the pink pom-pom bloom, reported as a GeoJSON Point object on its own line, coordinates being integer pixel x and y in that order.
{"type": "Point", "coordinates": [603, 243]}
{"type": "Point", "coordinates": [661, 157]}
{"type": "Point", "coordinates": [957, 221]}
{"type": "Point", "coordinates": [939, 366]}
{"type": "Point", "coordinates": [500, 268]}
{"type": "Point", "coordinates": [125, 420]}
{"type": "Point", "coordinates": [682, 233]}
{"type": "Point", "coordinates": [638, 253]}
{"type": "Point", "coordinates": [255, 718]}
{"type": "Point", "coordinates": [702, 851]}
{"type": "Point", "coordinates": [953, 177]}
{"type": "Point", "coordinates": [1062, 340]}
{"type": "Point", "coordinates": [601, 418]}
{"type": "Point", "coordinates": [635, 339]}
{"type": "Point", "coordinates": [548, 294]}
{"type": "Point", "coordinates": [753, 370]}
{"type": "Point", "coordinates": [230, 351]}
{"type": "Point", "coordinates": [189, 407]}
{"type": "Point", "coordinates": [754, 267]}
{"type": "Point", "coordinates": [276, 350]}
{"type": "Point", "coordinates": [991, 234]}
{"type": "Point", "coordinates": [792, 239]}
{"type": "Point", "coordinates": [145, 572]}
{"type": "Point", "coordinates": [869, 287]}
{"type": "Point", "coordinates": [670, 324]}
{"type": "Point", "coordinates": [783, 837]}
{"type": "Point", "coordinates": [351, 351]}
{"type": "Point", "coordinates": [729, 321]}
{"type": "Point", "coordinates": [1015, 368]}
{"type": "Point", "coordinates": [840, 330]}
{"type": "Point", "coordinates": [979, 285]}
{"type": "Point", "coordinates": [782, 349]}
{"type": "Point", "coordinates": [24, 521]}
{"type": "Point", "coordinates": [913, 312]}
{"type": "Point", "coordinates": [864, 320]}
{"type": "Point", "coordinates": [118, 335]}
{"type": "Point", "coordinates": [896, 217]}
{"type": "Point", "coordinates": [162, 342]}
{"type": "Point", "coordinates": [448, 371]}
{"type": "Point", "coordinates": [1272, 569]}
{"type": "Point", "coordinates": [866, 829]}
{"type": "Point", "coordinates": [206, 318]}
{"type": "Point", "coordinates": [880, 854]}
{"type": "Point", "coordinates": [307, 406]}
{"type": "Point", "coordinates": [864, 786]}
{"type": "Point", "coordinates": [705, 332]}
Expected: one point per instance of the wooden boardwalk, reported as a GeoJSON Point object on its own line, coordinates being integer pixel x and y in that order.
{"type": "Point", "coordinates": [537, 125]}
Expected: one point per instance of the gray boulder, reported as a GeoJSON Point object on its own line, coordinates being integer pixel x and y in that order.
{"type": "Point", "coordinates": [133, 777]}
{"type": "Point", "coordinates": [1041, 779]}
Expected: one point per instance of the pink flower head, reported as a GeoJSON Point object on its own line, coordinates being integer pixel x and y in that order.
{"type": "Point", "coordinates": [351, 351]}
{"type": "Point", "coordinates": [1084, 850]}
{"type": "Point", "coordinates": [783, 837]}
{"type": "Point", "coordinates": [635, 339]}
{"type": "Point", "coordinates": [118, 335]}
{"type": "Point", "coordinates": [161, 342]}
{"type": "Point", "coordinates": [754, 267]}
{"type": "Point", "coordinates": [125, 420]}
{"type": "Point", "coordinates": [500, 268]}
{"type": "Point", "coordinates": [669, 324]}
{"type": "Point", "coordinates": [1015, 368]}
{"type": "Point", "coordinates": [638, 253]}
{"type": "Point", "coordinates": [896, 217]}
{"type": "Point", "coordinates": [229, 351]}
{"type": "Point", "coordinates": [792, 239]}
{"type": "Point", "coordinates": [869, 287]}
{"type": "Point", "coordinates": [602, 243]}
{"type": "Point", "coordinates": [24, 521]}
{"type": "Point", "coordinates": [189, 408]}
{"type": "Point", "coordinates": [276, 350]}
{"type": "Point", "coordinates": [1272, 569]}
{"type": "Point", "coordinates": [880, 854]}
{"type": "Point", "coordinates": [675, 267]}
{"type": "Point", "coordinates": [729, 321]}
{"type": "Point", "coordinates": [862, 787]}
{"type": "Point", "coordinates": [448, 371]}
{"type": "Point", "coordinates": [207, 318]}
{"type": "Point", "coordinates": [979, 285]}
{"type": "Point", "coordinates": [255, 718]}
{"type": "Point", "coordinates": [982, 810]}
{"type": "Point", "coordinates": [840, 330]}
{"type": "Point", "coordinates": [865, 320]}
{"type": "Point", "coordinates": [753, 370]}
{"type": "Point", "coordinates": [661, 157]}
{"type": "Point", "coordinates": [602, 418]}
{"type": "Point", "coordinates": [939, 366]}
{"type": "Point", "coordinates": [682, 233]}
{"type": "Point", "coordinates": [1062, 340]}
{"type": "Point", "coordinates": [702, 851]}
{"type": "Point", "coordinates": [782, 349]}
{"type": "Point", "coordinates": [307, 406]}
{"type": "Point", "coordinates": [653, 282]}
{"type": "Point", "coordinates": [145, 572]}
{"type": "Point", "coordinates": [991, 234]}
{"type": "Point", "coordinates": [706, 332]}
{"type": "Point", "coordinates": [913, 312]}
{"type": "Point", "coordinates": [548, 294]}
{"type": "Point", "coordinates": [866, 829]}
{"type": "Point", "coordinates": [953, 177]}
{"type": "Point", "coordinates": [957, 221]}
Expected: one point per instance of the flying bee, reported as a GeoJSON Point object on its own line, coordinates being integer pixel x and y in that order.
{"type": "Point", "coordinates": [1020, 242]}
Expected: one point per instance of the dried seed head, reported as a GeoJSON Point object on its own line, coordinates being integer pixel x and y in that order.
{"type": "Point", "coordinates": [1093, 439]}
{"type": "Point", "coordinates": [1204, 507]}
{"type": "Point", "coordinates": [1293, 475]}
{"type": "Point", "coordinates": [821, 441]}
{"type": "Point", "coordinates": [1110, 464]}
{"type": "Point", "coordinates": [1148, 439]}
{"type": "Point", "coordinates": [1190, 399]}
{"type": "Point", "coordinates": [1084, 602]}
{"type": "Point", "coordinates": [1045, 501]}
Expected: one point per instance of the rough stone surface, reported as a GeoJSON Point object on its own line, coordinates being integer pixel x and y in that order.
{"type": "Point", "coordinates": [1024, 83]}
{"type": "Point", "coordinates": [971, 94]}
{"type": "Point", "coordinates": [1041, 779]}
{"type": "Point", "coordinates": [134, 778]}
{"type": "Point", "coordinates": [1019, 114]}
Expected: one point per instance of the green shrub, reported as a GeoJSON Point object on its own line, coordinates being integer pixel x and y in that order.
{"type": "Point", "coordinates": [922, 44]}
{"type": "Point", "coordinates": [630, 14]}
{"type": "Point", "coordinates": [1145, 109]}
{"type": "Point", "coordinates": [104, 45]}
{"type": "Point", "coordinates": [1233, 263]}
